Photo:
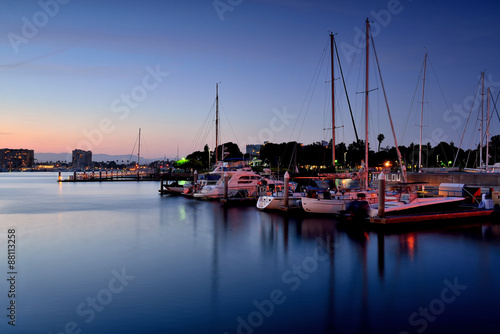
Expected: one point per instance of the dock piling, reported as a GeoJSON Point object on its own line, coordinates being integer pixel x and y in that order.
{"type": "Point", "coordinates": [285, 190]}
{"type": "Point", "coordinates": [226, 179]}
{"type": "Point", "coordinates": [381, 195]}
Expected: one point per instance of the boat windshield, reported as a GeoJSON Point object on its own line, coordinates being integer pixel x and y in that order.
{"type": "Point", "coordinates": [221, 180]}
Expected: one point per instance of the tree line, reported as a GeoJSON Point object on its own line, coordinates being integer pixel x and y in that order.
{"type": "Point", "coordinates": [319, 156]}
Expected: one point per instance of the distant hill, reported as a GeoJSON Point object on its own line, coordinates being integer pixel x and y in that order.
{"type": "Point", "coordinates": [47, 157]}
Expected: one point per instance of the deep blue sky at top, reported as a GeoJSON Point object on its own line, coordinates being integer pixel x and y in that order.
{"type": "Point", "coordinates": [62, 87]}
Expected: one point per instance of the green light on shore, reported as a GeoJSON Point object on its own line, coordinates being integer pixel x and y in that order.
{"type": "Point", "coordinates": [182, 161]}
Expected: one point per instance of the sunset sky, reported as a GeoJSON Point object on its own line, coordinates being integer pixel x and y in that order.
{"type": "Point", "coordinates": [89, 74]}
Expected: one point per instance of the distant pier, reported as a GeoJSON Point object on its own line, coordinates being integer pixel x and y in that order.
{"type": "Point", "coordinates": [104, 176]}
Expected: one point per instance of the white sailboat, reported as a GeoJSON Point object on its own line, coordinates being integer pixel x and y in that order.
{"type": "Point", "coordinates": [280, 198]}
{"type": "Point", "coordinates": [406, 201]}
{"type": "Point", "coordinates": [328, 202]}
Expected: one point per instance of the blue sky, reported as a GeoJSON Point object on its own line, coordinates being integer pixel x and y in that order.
{"type": "Point", "coordinates": [62, 85]}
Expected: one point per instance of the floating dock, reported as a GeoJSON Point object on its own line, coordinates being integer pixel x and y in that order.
{"type": "Point", "coordinates": [435, 216]}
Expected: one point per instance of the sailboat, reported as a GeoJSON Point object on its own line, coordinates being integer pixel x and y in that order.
{"type": "Point", "coordinates": [327, 202]}
{"type": "Point", "coordinates": [406, 200]}
{"type": "Point", "coordinates": [241, 180]}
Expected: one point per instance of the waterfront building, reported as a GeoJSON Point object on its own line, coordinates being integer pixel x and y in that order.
{"type": "Point", "coordinates": [253, 150]}
{"type": "Point", "coordinates": [16, 159]}
{"type": "Point", "coordinates": [82, 159]}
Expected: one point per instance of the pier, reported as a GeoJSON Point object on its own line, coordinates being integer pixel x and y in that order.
{"type": "Point", "coordinates": [103, 176]}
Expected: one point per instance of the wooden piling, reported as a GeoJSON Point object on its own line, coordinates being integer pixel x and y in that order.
{"type": "Point", "coordinates": [381, 195]}
{"type": "Point", "coordinates": [285, 190]}
{"type": "Point", "coordinates": [226, 190]}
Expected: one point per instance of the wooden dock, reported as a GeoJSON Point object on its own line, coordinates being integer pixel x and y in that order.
{"type": "Point", "coordinates": [421, 221]}
{"type": "Point", "coordinates": [435, 216]}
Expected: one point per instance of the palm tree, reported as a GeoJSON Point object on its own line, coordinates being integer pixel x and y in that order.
{"type": "Point", "coordinates": [380, 138]}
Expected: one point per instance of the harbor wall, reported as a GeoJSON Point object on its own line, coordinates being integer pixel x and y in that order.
{"type": "Point", "coordinates": [469, 179]}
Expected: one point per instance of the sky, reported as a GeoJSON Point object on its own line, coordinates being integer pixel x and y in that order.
{"type": "Point", "coordinates": [88, 74]}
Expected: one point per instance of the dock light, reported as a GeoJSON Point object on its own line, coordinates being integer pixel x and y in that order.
{"type": "Point", "coordinates": [387, 164]}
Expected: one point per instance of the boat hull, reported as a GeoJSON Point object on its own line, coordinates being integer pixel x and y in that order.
{"type": "Point", "coordinates": [271, 203]}
{"type": "Point", "coordinates": [334, 205]}
{"type": "Point", "coordinates": [420, 205]}
{"type": "Point", "coordinates": [324, 206]}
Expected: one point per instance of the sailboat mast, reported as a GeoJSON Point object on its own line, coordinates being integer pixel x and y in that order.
{"type": "Point", "coordinates": [139, 150]}
{"type": "Point", "coordinates": [333, 102]}
{"type": "Point", "coordinates": [487, 126]}
{"type": "Point", "coordinates": [400, 158]}
{"type": "Point", "coordinates": [366, 100]}
{"type": "Point", "coordinates": [422, 117]}
{"type": "Point", "coordinates": [481, 126]}
{"type": "Point", "coordinates": [216, 123]}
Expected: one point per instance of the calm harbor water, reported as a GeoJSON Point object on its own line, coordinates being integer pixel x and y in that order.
{"type": "Point", "coordinates": [118, 258]}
